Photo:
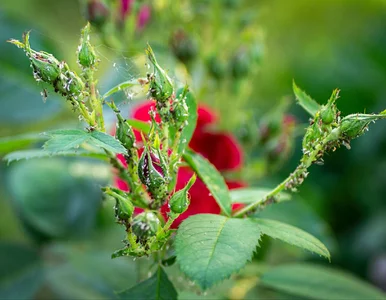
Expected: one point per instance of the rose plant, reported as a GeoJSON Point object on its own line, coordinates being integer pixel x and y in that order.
{"type": "Point", "coordinates": [170, 195]}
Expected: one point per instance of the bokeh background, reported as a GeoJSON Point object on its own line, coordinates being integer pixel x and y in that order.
{"type": "Point", "coordinates": [240, 57]}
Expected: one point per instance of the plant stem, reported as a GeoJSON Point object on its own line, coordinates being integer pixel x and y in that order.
{"type": "Point", "coordinates": [95, 101]}
{"type": "Point", "coordinates": [297, 176]}
{"type": "Point", "coordinates": [268, 197]}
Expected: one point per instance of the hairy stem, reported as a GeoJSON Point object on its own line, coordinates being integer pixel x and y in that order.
{"type": "Point", "coordinates": [297, 177]}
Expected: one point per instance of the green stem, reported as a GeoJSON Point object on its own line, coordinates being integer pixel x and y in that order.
{"type": "Point", "coordinates": [270, 195]}
{"type": "Point", "coordinates": [305, 163]}
{"type": "Point", "coordinates": [85, 113]}
{"type": "Point", "coordinates": [95, 101]}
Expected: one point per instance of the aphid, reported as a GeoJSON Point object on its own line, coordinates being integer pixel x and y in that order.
{"type": "Point", "coordinates": [44, 94]}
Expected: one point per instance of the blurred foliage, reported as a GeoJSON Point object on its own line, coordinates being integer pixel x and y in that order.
{"type": "Point", "coordinates": [51, 207]}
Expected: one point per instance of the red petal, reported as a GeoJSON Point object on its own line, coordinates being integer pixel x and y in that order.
{"type": "Point", "coordinates": [221, 149]}
{"type": "Point", "coordinates": [205, 116]}
{"type": "Point", "coordinates": [141, 111]}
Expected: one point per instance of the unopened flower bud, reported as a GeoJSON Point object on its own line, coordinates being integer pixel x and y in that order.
{"type": "Point", "coordinates": [124, 132]}
{"type": "Point", "coordinates": [355, 125]}
{"type": "Point", "coordinates": [73, 85]}
{"type": "Point", "coordinates": [86, 54]}
{"type": "Point", "coordinates": [145, 225]}
{"type": "Point", "coordinates": [179, 202]}
{"type": "Point", "coordinates": [184, 47]}
{"type": "Point", "coordinates": [123, 208]}
{"type": "Point", "coordinates": [240, 64]}
{"type": "Point", "coordinates": [327, 115]}
{"type": "Point", "coordinates": [216, 68]}
{"type": "Point", "coordinates": [144, 15]}
{"type": "Point", "coordinates": [97, 12]}
{"type": "Point", "coordinates": [161, 87]}
{"type": "Point", "coordinates": [151, 173]}
{"type": "Point", "coordinates": [45, 65]}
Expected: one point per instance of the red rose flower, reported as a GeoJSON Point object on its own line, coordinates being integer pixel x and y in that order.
{"type": "Point", "coordinates": [220, 148]}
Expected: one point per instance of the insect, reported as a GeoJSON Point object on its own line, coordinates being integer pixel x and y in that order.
{"type": "Point", "coordinates": [44, 94]}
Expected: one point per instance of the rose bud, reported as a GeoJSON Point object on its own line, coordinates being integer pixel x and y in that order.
{"type": "Point", "coordinates": [354, 125]}
{"type": "Point", "coordinates": [161, 87]}
{"type": "Point", "coordinates": [97, 12]}
{"type": "Point", "coordinates": [124, 132]}
{"type": "Point", "coordinates": [45, 65]}
{"type": "Point", "coordinates": [86, 54]}
{"type": "Point", "coordinates": [183, 46]}
{"type": "Point", "coordinates": [151, 172]}
{"type": "Point", "coordinates": [216, 68]}
{"type": "Point", "coordinates": [180, 201]}
{"type": "Point", "coordinates": [123, 208]}
{"type": "Point", "coordinates": [145, 225]}
{"type": "Point", "coordinates": [240, 64]}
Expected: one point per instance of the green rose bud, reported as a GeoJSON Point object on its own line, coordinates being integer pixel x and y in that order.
{"type": "Point", "coordinates": [240, 64]}
{"type": "Point", "coordinates": [123, 208]}
{"type": "Point", "coordinates": [145, 225]}
{"type": "Point", "coordinates": [161, 87]}
{"type": "Point", "coordinates": [328, 112]}
{"type": "Point", "coordinates": [86, 54]}
{"type": "Point", "coordinates": [216, 68]}
{"type": "Point", "coordinates": [179, 202]}
{"type": "Point", "coordinates": [327, 115]}
{"type": "Point", "coordinates": [355, 125]}
{"type": "Point", "coordinates": [74, 85]}
{"type": "Point", "coordinates": [184, 47]}
{"type": "Point", "coordinates": [45, 66]}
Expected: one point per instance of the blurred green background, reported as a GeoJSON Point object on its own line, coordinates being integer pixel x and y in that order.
{"type": "Point", "coordinates": [56, 234]}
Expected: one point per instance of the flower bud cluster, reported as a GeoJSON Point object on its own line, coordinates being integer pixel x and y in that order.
{"type": "Point", "coordinates": [48, 69]}
{"type": "Point", "coordinates": [328, 131]}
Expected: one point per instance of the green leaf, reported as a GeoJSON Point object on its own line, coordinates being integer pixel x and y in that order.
{"type": "Point", "coordinates": [249, 195]}
{"type": "Point", "coordinates": [188, 130]}
{"type": "Point", "coordinates": [41, 153]}
{"type": "Point", "coordinates": [57, 197]}
{"type": "Point", "coordinates": [139, 125]}
{"type": "Point", "coordinates": [210, 247]}
{"type": "Point", "coordinates": [106, 141]}
{"type": "Point", "coordinates": [318, 282]}
{"type": "Point", "coordinates": [66, 139]}
{"type": "Point", "coordinates": [82, 270]}
{"type": "Point", "coordinates": [21, 273]}
{"type": "Point", "coordinates": [212, 179]}
{"type": "Point", "coordinates": [121, 87]}
{"type": "Point", "coordinates": [300, 214]}
{"type": "Point", "coordinates": [292, 235]}
{"type": "Point", "coordinates": [157, 287]}
{"type": "Point", "coordinates": [305, 101]}
{"type": "Point", "coordinates": [12, 143]}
